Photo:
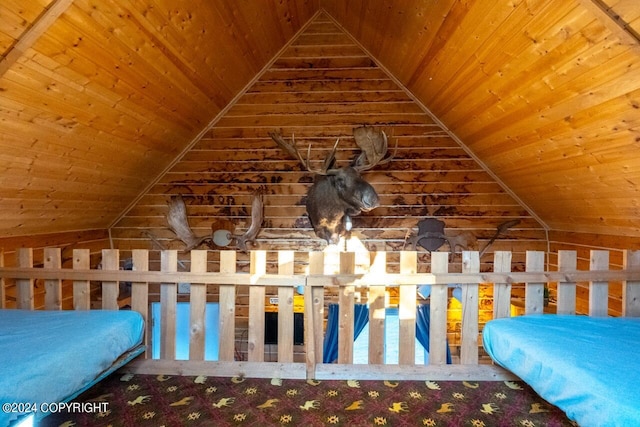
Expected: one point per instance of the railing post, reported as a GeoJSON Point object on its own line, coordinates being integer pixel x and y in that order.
{"type": "Point", "coordinates": [567, 261]}
{"type": "Point", "coordinates": [438, 318]}
{"type": "Point", "coordinates": [363, 265]}
{"type": "Point", "coordinates": [501, 291]}
{"type": "Point", "coordinates": [314, 316]}
{"type": "Point", "coordinates": [140, 294]}
{"type": "Point", "coordinates": [534, 292]}
{"type": "Point", "coordinates": [81, 288]}
{"type": "Point", "coordinates": [168, 306]}
{"type": "Point", "coordinates": [255, 348]}
{"type": "Point", "coordinates": [24, 287]}
{"type": "Point", "coordinates": [631, 289]}
{"type": "Point", "coordinates": [346, 319]}
{"type": "Point", "coordinates": [227, 309]}
{"type": "Point", "coordinates": [285, 309]}
{"type": "Point", "coordinates": [197, 307]}
{"type": "Point", "coordinates": [110, 290]}
{"type": "Point", "coordinates": [599, 291]}
{"type": "Point", "coordinates": [52, 287]}
{"type": "Point", "coordinates": [407, 310]}
{"type": "Point", "coordinates": [469, 345]}
{"type": "Point", "coordinates": [377, 311]}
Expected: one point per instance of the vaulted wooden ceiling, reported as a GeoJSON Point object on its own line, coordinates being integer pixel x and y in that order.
{"type": "Point", "coordinates": [98, 99]}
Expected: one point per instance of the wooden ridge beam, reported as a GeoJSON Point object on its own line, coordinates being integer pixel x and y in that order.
{"type": "Point", "coordinates": [33, 33]}
{"type": "Point", "coordinates": [613, 22]}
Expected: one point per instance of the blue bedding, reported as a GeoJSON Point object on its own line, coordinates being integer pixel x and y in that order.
{"type": "Point", "coordinates": [588, 367]}
{"type": "Point", "coordinates": [47, 356]}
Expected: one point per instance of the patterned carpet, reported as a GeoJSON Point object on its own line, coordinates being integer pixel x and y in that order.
{"type": "Point", "coordinates": [146, 400]}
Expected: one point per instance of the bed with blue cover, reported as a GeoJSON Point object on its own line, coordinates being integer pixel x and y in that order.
{"type": "Point", "coordinates": [586, 366]}
{"type": "Point", "coordinates": [52, 356]}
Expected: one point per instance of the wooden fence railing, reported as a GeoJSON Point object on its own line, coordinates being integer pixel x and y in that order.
{"type": "Point", "coordinates": [374, 282]}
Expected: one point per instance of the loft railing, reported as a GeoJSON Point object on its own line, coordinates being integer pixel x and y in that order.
{"type": "Point", "coordinates": [319, 289]}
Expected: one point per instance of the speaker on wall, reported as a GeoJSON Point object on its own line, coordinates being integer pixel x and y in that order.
{"type": "Point", "coordinates": [271, 328]}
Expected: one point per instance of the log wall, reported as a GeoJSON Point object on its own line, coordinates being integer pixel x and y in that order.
{"type": "Point", "coordinates": [92, 241]}
{"type": "Point", "coordinates": [583, 244]}
{"type": "Point", "coordinates": [321, 86]}
{"type": "Point", "coordinates": [99, 98]}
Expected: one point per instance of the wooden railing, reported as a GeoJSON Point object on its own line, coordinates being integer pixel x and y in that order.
{"type": "Point", "coordinates": [373, 281]}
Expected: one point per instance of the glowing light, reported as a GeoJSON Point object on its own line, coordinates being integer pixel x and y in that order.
{"type": "Point", "coordinates": [352, 244]}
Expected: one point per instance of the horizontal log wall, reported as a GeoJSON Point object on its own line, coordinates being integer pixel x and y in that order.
{"type": "Point", "coordinates": [583, 244]}
{"type": "Point", "coordinates": [92, 240]}
{"type": "Point", "coordinates": [546, 95]}
{"type": "Point", "coordinates": [315, 284]}
{"type": "Point", "coordinates": [319, 88]}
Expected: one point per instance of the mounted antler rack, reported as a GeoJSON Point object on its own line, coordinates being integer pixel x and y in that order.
{"type": "Point", "coordinates": [338, 194]}
{"type": "Point", "coordinates": [178, 221]}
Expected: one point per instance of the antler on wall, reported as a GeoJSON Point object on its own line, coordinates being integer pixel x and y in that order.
{"type": "Point", "coordinates": [338, 194]}
{"type": "Point", "coordinates": [374, 147]}
{"type": "Point", "coordinates": [292, 149]}
{"type": "Point", "coordinates": [179, 224]}
{"type": "Point", "coordinates": [257, 216]}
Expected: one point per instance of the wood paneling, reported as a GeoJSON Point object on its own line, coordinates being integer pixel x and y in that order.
{"type": "Point", "coordinates": [319, 88]}
{"type": "Point", "coordinates": [91, 241]}
{"type": "Point", "coordinates": [545, 94]}
{"type": "Point", "coordinates": [109, 107]}
{"type": "Point", "coordinates": [583, 244]}
{"type": "Point", "coordinates": [102, 99]}
{"type": "Point", "coordinates": [17, 18]}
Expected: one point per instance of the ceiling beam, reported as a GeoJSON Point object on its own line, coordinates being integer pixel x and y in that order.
{"type": "Point", "coordinates": [612, 21]}
{"type": "Point", "coordinates": [31, 34]}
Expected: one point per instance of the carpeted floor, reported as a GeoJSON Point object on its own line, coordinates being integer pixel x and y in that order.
{"type": "Point", "coordinates": [146, 400]}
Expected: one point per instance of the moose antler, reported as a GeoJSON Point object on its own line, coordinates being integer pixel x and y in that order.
{"type": "Point", "coordinates": [179, 224]}
{"type": "Point", "coordinates": [257, 216]}
{"type": "Point", "coordinates": [293, 151]}
{"type": "Point", "coordinates": [502, 228]}
{"type": "Point", "coordinates": [339, 193]}
{"type": "Point", "coordinates": [374, 146]}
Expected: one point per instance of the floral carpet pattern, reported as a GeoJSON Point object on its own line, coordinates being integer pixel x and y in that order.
{"type": "Point", "coordinates": [173, 401]}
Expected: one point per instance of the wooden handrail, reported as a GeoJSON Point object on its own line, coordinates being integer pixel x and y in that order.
{"type": "Point", "coordinates": [318, 289]}
{"type": "Point", "coordinates": [267, 279]}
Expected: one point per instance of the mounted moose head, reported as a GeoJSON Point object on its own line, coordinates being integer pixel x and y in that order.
{"type": "Point", "coordinates": [338, 194]}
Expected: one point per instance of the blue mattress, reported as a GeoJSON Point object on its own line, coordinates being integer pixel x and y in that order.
{"type": "Point", "coordinates": [588, 367]}
{"type": "Point", "coordinates": [48, 356]}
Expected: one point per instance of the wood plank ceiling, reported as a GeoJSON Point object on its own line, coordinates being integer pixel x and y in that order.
{"type": "Point", "coordinates": [100, 99]}
{"type": "Point", "coordinates": [545, 93]}
{"type": "Point", "coordinates": [319, 88]}
{"type": "Point", "coordinates": [112, 92]}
